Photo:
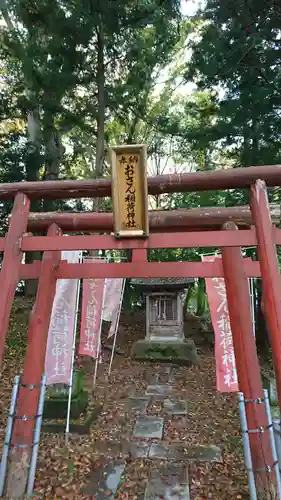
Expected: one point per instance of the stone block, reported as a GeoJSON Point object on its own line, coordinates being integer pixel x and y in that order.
{"type": "Point", "coordinates": [180, 353]}
{"type": "Point", "coordinates": [57, 407]}
{"type": "Point", "coordinates": [149, 428]}
{"type": "Point", "coordinates": [159, 390]}
{"type": "Point", "coordinates": [60, 391]}
{"type": "Point", "coordinates": [75, 427]}
{"type": "Point", "coordinates": [104, 481]}
{"type": "Point", "coordinates": [138, 403]}
{"type": "Point", "coordinates": [169, 483]}
{"type": "Point", "coordinates": [175, 407]}
{"type": "Point", "coordinates": [139, 450]}
{"type": "Point", "coordinates": [179, 452]}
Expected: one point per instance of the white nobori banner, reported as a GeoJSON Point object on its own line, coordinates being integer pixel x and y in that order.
{"type": "Point", "coordinates": [62, 325]}
{"type": "Point", "coordinates": [112, 296]}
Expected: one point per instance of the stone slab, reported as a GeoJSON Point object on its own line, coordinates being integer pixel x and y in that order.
{"type": "Point", "coordinates": [201, 453]}
{"type": "Point", "coordinates": [178, 452]}
{"type": "Point", "coordinates": [139, 450]}
{"type": "Point", "coordinates": [138, 403]}
{"type": "Point", "coordinates": [104, 482]}
{"type": "Point", "coordinates": [170, 483]}
{"type": "Point", "coordinates": [180, 353]}
{"type": "Point", "coordinates": [175, 407]}
{"type": "Point", "coordinates": [149, 427]}
{"type": "Point", "coordinates": [159, 390]}
{"type": "Point", "coordinates": [167, 452]}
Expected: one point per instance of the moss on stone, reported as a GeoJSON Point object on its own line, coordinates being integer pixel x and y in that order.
{"type": "Point", "coordinates": [57, 407]}
{"type": "Point", "coordinates": [172, 352]}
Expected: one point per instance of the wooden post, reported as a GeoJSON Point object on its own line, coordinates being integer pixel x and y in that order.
{"type": "Point", "coordinates": [271, 282]}
{"type": "Point", "coordinates": [34, 363]}
{"type": "Point", "coordinates": [10, 272]}
{"type": "Point", "coordinates": [248, 369]}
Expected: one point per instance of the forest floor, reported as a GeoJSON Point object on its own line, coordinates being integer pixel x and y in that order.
{"type": "Point", "coordinates": [212, 419]}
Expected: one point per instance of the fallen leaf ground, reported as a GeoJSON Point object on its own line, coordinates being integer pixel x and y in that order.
{"type": "Point", "coordinates": [212, 419]}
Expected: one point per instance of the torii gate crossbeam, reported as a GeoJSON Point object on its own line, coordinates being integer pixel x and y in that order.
{"type": "Point", "coordinates": [264, 236]}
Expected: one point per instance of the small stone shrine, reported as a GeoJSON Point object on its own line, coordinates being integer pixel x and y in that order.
{"type": "Point", "coordinates": [164, 338]}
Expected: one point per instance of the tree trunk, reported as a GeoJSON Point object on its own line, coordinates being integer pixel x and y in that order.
{"type": "Point", "coordinates": [262, 338]}
{"type": "Point", "coordinates": [53, 154]}
{"type": "Point", "coordinates": [201, 297]}
{"type": "Point", "coordinates": [100, 151]}
{"type": "Point", "coordinates": [99, 161]}
{"type": "Point", "coordinates": [186, 301]}
{"type": "Point", "coordinates": [33, 165]}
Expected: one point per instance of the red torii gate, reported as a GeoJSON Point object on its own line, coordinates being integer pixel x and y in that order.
{"type": "Point", "coordinates": [233, 268]}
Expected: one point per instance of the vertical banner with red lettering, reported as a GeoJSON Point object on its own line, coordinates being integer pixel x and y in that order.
{"type": "Point", "coordinates": [58, 362]}
{"type": "Point", "coordinates": [226, 373]}
{"type": "Point", "coordinates": [91, 316]}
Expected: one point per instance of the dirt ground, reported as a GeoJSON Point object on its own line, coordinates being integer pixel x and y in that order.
{"type": "Point", "coordinates": [212, 419]}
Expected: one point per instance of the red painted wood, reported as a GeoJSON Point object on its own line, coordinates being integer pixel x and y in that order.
{"type": "Point", "coordinates": [170, 183]}
{"type": "Point", "coordinates": [270, 273]}
{"type": "Point", "coordinates": [159, 220]}
{"type": "Point", "coordinates": [10, 272]}
{"type": "Point", "coordinates": [247, 363]}
{"type": "Point", "coordinates": [36, 349]}
{"type": "Point", "coordinates": [148, 270]}
{"type": "Point", "coordinates": [139, 255]}
{"type": "Point", "coordinates": [107, 242]}
{"type": "Point", "coordinates": [175, 240]}
{"type": "Point", "coordinates": [32, 271]}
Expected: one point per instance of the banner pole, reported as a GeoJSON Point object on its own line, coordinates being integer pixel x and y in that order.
{"type": "Point", "coordinates": [72, 360]}
{"type": "Point", "coordinates": [99, 341]}
{"type": "Point", "coordinates": [96, 367]}
{"type": "Point", "coordinates": [116, 328]}
{"type": "Point", "coordinates": [36, 437]}
{"type": "Point", "coordinates": [8, 434]}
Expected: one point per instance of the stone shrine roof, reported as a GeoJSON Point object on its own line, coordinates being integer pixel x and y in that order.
{"type": "Point", "coordinates": [162, 282]}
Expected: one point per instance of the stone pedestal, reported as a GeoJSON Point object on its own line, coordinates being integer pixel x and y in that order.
{"type": "Point", "coordinates": [181, 353]}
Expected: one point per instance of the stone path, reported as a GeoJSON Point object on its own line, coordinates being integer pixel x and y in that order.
{"type": "Point", "coordinates": [168, 481]}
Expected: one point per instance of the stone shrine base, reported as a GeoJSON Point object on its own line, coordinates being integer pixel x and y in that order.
{"type": "Point", "coordinates": [181, 353]}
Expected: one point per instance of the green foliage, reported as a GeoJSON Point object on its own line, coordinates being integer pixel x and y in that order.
{"type": "Point", "coordinates": [54, 89]}
{"type": "Point", "coordinates": [50, 66]}
{"type": "Point", "coordinates": [236, 53]}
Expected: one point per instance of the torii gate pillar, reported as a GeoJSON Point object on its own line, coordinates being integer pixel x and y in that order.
{"type": "Point", "coordinates": [271, 282]}
{"type": "Point", "coordinates": [247, 363]}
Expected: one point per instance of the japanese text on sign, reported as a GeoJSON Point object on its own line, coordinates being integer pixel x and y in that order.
{"type": "Point", "coordinates": [91, 318]}
{"type": "Point", "coordinates": [225, 334]}
{"type": "Point", "coordinates": [62, 326]}
{"type": "Point", "coordinates": [226, 373]}
{"type": "Point", "coordinates": [92, 303]}
{"type": "Point", "coordinates": [129, 163]}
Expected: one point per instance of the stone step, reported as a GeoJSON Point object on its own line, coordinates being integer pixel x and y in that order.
{"type": "Point", "coordinates": [138, 403]}
{"type": "Point", "coordinates": [105, 480]}
{"type": "Point", "coordinates": [167, 451]}
{"type": "Point", "coordinates": [168, 483]}
{"type": "Point", "coordinates": [162, 451]}
{"type": "Point", "coordinates": [175, 407]}
{"type": "Point", "coordinates": [149, 427]}
{"type": "Point", "coordinates": [159, 390]}
{"type": "Point", "coordinates": [171, 406]}
{"type": "Point", "coordinates": [199, 453]}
